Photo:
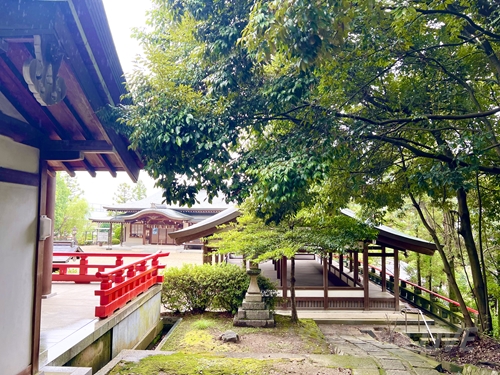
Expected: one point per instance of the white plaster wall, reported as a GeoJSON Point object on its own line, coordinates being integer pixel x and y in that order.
{"type": "Point", "coordinates": [18, 226]}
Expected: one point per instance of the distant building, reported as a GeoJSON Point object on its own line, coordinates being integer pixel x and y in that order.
{"type": "Point", "coordinates": [149, 221]}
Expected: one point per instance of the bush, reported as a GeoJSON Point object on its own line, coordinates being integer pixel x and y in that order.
{"type": "Point", "coordinates": [196, 288]}
{"type": "Point", "coordinates": [115, 241]}
{"type": "Point", "coordinates": [189, 288]}
{"type": "Point", "coordinates": [231, 283]}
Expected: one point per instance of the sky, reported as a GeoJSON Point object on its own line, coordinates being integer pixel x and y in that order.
{"type": "Point", "coordinates": [123, 15]}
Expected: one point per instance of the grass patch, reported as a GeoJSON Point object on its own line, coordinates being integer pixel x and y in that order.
{"type": "Point", "coordinates": [194, 364]}
{"type": "Point", "coordinates": [199, 334]}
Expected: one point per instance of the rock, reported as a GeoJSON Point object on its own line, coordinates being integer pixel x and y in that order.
{"type": "Point", "coordinates": [229, 336]}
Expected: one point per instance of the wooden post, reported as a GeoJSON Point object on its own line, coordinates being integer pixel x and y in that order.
{"type": "Point", "coordinates": [396, 280]}
{"type": "Point", "coordinates": [207, 258]}
{"type": "Point", "coordinates": [356, 267]}
{"type": "Point", "coordinates": [384, 271]}
{"type": "Point", "coordinates": [284, 276]}
{"type": "Point", "coordinates": [110, 237]}
{"type": "Point", "coordinates": [325, 284]}
{"type": "Point", "coordinates": [330, 259]}
{"type": "Point", "coordinates": [121, 234]}
{"type": "Point", "coordinates": [365, 277]}
{"type": "Point", "coordinates": [36, 317]}
{"type": "Point", "coordinates": [341, 263]}
{"type": "Point", "coordinates": [48, 246]}
{"type": "Point", "coordinates": [351, 254]}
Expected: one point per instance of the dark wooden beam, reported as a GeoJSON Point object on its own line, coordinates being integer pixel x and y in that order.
{"type": "Point", "coordinates": [68, 169]}
{"type": "Point", "coordinates": [50, 155]}
{"type": "Point", "coordinates": [129, 164]}
{"type": "Point", "coordinates": [18, 177]}
{"type": "Point", "coordinates": [75, 60]}
{"type": "Point", "coordinates": [4, 46]}
{"type": "Point", "coordinates": [83, 146]}
{"type": "Point", "coordinates": [20, 131]}
{"type": "Point", "coordinates": [395, 244]}
{"type": "Point", "coordinates": [89, 167]}
{"type": "Point", "coordinates": [85, 131]}
{"type": "Point", "coordinates": [110, 166]}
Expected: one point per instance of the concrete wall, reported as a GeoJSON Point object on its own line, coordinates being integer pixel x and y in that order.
{"type": "Point", "coordinates": [128, 333]}
{"type": "Point", "coordinates": [18, 235]}
{"type": "Point", "coordinates": [132, 327]}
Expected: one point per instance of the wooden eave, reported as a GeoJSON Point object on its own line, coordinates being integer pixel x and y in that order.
{"type": "Point", "coordinates": [69, 134]}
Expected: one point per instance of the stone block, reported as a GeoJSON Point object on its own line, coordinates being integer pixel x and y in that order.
{"type": "Point", "coordinates": [253, 305]}
{"type": "Point", "coordinates": [254, 323]}
{"type": "Point", "coordinates": [253, 297]}
{"type": "Point", "coordinates": [258, 314]}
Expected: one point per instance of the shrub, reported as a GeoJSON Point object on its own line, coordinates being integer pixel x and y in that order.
{"type": "Point", "coordinates": [189, 288]}
{"type": "Point", "coordinates": [269, 292]}
{"type": "Point", "coordinates": [231, 283]}
{"type": "Point", "coordinates": [115, 241]}
{"type": "Point", "coordinates": [196, 288]}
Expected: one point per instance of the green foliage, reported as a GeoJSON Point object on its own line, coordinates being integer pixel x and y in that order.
{"type": "Point", "coordinates": [203, 324]}
{"type": "Point", "coordinates": [291, 102]}
{"type": "Point", "coordinates": [115, 241]}
{"type": "Point", "coordinates": [196, 288]}
{"type": "Point", "coordinates": [71, 209]}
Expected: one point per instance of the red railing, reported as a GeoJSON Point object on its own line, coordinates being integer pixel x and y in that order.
{"type": "Point", "coordinates": [430, 292]}
{"type": "Point", "coordinates": [120, 284]}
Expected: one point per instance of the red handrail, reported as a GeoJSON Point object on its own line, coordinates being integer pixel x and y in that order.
{"type": "Point", "coordinates": [116, 288]}
{"type": "Point", "coordinates": [470, 309]}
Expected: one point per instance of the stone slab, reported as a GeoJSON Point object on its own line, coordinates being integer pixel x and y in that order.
{"type": "Point", "coordinates": [392, 364]}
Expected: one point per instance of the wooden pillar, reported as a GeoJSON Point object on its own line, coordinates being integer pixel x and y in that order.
{"type": "Point", "coordinates": [207, 257]}
{"type": "Point", "coordinates": [396, 280]}
{"type": "Point", "coordinates": [341, 263]}
{"type": "Point", "coordinates": [48, 246]}
{"type": "Point", "coordinates": [278, 269]}
{"type": "Point", "coordinates": [121, 234]}
{"type": "Point", "coordinates": [351, 254]}
{"type": "Point", "coordinates": [110, 237]}
{"type": "Point", "coordinates": [325, 284]}
{"type": "Point", "coordinates": [38, 279]}
{"type": "Point", "coordinates": [356, 267]}
{"type": "Point", "coordinates": [384, 271]}
{"type": "Point", "coordinates": [365, 277]}
{"type": "Point", "coordinates": [330, 260]}
{"type": "Point", "coordinates": [284, 271]}
{"type": "Point", "coordinates": [144, 233]}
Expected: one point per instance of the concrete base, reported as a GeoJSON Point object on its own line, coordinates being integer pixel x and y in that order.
{"type": "Point", "coordinates": [55, 370]}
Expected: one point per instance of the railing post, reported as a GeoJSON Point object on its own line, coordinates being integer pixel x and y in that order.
{"type": "Point", "coordinates": [84, 261]}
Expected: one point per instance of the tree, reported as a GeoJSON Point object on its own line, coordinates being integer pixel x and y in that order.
{"type": "Point", "coordinates": [123, 193]}
{"type": "Point", "coordinates": [139, 191]}
{"type": "Point", "coordinates": [372, 102]}
{"type": "Point", "coordinates": [71, 209]}
{"type": "Point", "coordinates": [259, 241]}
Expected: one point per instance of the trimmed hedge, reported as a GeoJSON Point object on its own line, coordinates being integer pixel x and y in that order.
{"type": "Point", "coordinates": [197, 288]}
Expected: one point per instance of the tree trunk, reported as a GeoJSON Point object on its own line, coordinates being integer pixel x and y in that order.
{"type": "Point", "coordinates": [447, 269]}
{"type": "Point", "coordinates": [465, 230]}
{"type": "Point", "coordinates": [295, 318]}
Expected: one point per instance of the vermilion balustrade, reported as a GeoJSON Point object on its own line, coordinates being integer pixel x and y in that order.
{"type": "Point", "coordinates": [119, 284]}
{"type": "Point", "coordinates": [430, 292]}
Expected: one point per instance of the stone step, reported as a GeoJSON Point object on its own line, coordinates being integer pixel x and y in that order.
{"type": "Point", "coordinates": [268, 323]}
{"type": "Point", "coordinates": [254, 314]}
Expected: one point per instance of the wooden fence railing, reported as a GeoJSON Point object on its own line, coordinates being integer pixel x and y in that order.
{"type": "Point", "coordinates": [120, 282]}
{"type": "Point", "coordinates": [439, 305]}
